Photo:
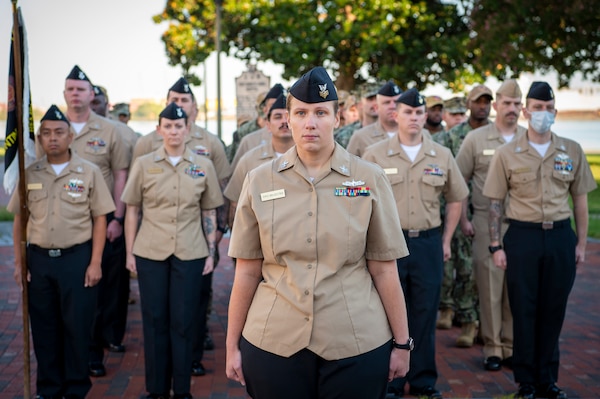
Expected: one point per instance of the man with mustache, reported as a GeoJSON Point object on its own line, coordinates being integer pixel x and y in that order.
{"type": "Point", "coordinates": [473, 159]}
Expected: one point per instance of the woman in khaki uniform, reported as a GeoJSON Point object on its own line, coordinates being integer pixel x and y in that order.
{"type": "Point", "coordinates": [316, 305]}
{"type": "Point", "coordinates": [173, 251]}
{"type": "Point", "coordinates": [68, 200]}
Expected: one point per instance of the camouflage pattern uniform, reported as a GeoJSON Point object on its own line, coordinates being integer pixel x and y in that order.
{"type": "Point", "coordinates": [458, 292]}
{"type": "Point", "coordinates": [242, 131]}
{"type": "Point", "coordinates": [343, 134]}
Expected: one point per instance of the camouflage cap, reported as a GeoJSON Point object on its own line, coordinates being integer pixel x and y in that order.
{"type": "Point", "coordinates": [509, 88]}
{"type": "Point", "coordinates": [456, 105]}
{"type": "Point", "coordinates": [369, 89]}
{"type": "Point", "coordinates": [121, 109]}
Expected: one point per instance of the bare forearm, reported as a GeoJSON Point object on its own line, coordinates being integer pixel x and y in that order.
{"type": "Point", "coordinates": [209, 225]}
{"type": "Point", "coordinates": [580, 214]}
{"type": "Point", "coordinates": [247, 277]}
{"type": "Point", "coordinates": [131, 227]}
{"type": "Point", "coordinates": [453, 212]}
{"type": "Point", "coordinates": [98, 239]}
{"type": "Point", "coordinates": [120, 178]}
{"type": "Point", "coordinates": [387, 282]}
{"type": "Point", "coordinates": [495, 221]}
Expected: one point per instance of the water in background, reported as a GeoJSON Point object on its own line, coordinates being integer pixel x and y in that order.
{"type": "Point", "coordinates": [586, 133]}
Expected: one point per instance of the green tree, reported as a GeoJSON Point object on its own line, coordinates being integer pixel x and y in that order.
{"type": "Point", "coordinates": [415, 43]}
{"type": "Point", "coordinates": [511, 37]}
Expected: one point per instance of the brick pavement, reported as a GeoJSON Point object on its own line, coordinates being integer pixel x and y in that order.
{"type": "Point", "coordinates": [461, 371]}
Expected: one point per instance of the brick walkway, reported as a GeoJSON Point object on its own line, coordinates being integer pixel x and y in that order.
{"type": "Point", "coordinates": [461, 371]}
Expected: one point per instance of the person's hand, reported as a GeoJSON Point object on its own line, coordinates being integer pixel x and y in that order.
{"type": "Point", "coordinates": [209, 265]}
{"type": "Point", "coordinates": [399, 363]}
{"type": "Point", "coordinates": [447, 251]}
{"type": "Point", "coordinates": [233, 366]}
{"type": "Point", "coordinates": [500, 259]}
{"type": "Point", "coordinates": [114, 230]}
{"type": "Point", "coordinates": [130, 263]}
{"type": "Point", "coordinates": [93, 274]}
{"type": "Point", "coordinates": [467, 228]}
{"type": "Point", "coordinates": [17, 274]}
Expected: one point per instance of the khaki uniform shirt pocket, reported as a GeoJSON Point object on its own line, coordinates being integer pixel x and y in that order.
{"type": "Point", "coordinates": [432, 188]}
{"type": "Point", "coordinates": [522, 184]}
{"type": "Point", "coordinates": [37, 202]}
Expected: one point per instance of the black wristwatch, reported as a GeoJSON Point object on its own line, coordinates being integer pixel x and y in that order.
{"type": "Point", "coordinates": [409, 345]}
{"type": "Point", "coordinates": [119, 220]}
{"type": "Point", "coordinates": [494, 248]}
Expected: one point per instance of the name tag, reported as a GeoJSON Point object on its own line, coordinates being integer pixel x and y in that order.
{"type": "Point", "coordinates": [34, 186]}
{"type": "Point", "coordinates": [271, 195]}
{"type": "Point", "coordinates": [522, 170]}
{"type": "Point", "coordinates": [154, 171]}
{"type": "Point", "coordinates": [391, 171]}
{"type": "Point", "coordinates": [489, 152]}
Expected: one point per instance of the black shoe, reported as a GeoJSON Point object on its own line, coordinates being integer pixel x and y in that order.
{"type": "Point", "coordinates": [116, 348]}
{"type": "Point", "coordinates": [393, 392]}
{"type": "Point", "coordinates": [208, 343]}
{"type": "Point", "coordinates": [526, 391]}
{"type": "Point", "coordinates": [492, 363]}
{"type": "Point", "coordinates": [96, 370]}
{"type": "Point", "coordinates": [182, 396]}
{"type": "Point", "coordinates": [550, 391]}
{"type": "Point", "coordinates": [508, 362]}
{"type": "Point", "coordinates": [198, 369]}
{"type": "Point", "coordinates": [428, 392]}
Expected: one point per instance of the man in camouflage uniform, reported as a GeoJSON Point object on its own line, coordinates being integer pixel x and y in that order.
{"type": "Point", "coordinates": [367, 110]}
{"type": "Point", "coordinates": [459, 293]}
{"type": "Point", "coordinates": [255, 124]}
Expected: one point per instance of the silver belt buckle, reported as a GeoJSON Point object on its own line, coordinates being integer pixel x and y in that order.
{"type": "Point", "coordinates": [547, 225]}
{"type": "Point", "coordinates": [54, 253]}
{"type": "Point", "coordinates": [413, 233]}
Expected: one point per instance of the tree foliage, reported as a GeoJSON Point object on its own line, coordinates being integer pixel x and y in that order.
{"type": "Point", "coordinates": [416, 43]}
{"type": "Point", "coordinates": [515, 36]}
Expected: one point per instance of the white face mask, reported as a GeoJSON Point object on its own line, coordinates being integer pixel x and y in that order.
{"type": "Point", "coordinates": [541, 121]}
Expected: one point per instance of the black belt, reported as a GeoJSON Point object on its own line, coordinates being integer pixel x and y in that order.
{"type": "Point", "coordinates": [421, 233]}
{"type": "Point", "coordinates": [57, 252]}
{"type": "Point", "coordinates": [541, 226]}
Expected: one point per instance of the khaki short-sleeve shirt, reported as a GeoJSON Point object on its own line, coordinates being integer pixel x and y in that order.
{"type": "Point", "coordinates": [417, 185]}
{"type": "Point", "coordinates": [368, 135]}
{"type": "Point", "coordinates": [172, 198]}
{"type": "Point", "coordinates": [250, 160]}
{"type": "Point", "coordinates": [474, 157]}
{"type": "Point", "coordinates": [314, 239]}
{"type": "Point", "coordinates": [253, 140]}
{"type": "Point", "coordinates": [100, 143]}
{"type": "Point", "coordinates": [61, 208]}
{"type": "Point", "coordinates": [200, 141]}
{"type": "Point", "coordinates": [538, 188]}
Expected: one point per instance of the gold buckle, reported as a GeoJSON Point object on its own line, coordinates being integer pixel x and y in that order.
{"type": "Point", "coordinates": [547, 225]}
{"type": "Point", "coordinates": [413, 233]}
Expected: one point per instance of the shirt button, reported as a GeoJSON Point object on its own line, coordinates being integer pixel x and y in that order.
{"type": "Point", "coordinates": [309, 266]}
{"type": "Point", "coordinates": [310, 189]}
{"type": "Point", "coordinates": [310, 214]}
{"type": "Point", "coordinates": [306, 318]}
{"type": "Point", "coordinates": [309, 240]}
{"type": "Point", "coordinates": [306, 292]}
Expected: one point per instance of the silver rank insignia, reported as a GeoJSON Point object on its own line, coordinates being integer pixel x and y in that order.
{"type": "Point", "coordinates": [344, 169]}
{"type": "Point", "coordinates": [323, 92]}
{"type": "Point", "coordinates": [353, 183]}
{"type": "Point", "coordinates": [284, 164]}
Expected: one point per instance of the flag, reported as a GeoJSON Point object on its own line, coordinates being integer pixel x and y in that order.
{"type": "Point", "coordinates": [11, 159]}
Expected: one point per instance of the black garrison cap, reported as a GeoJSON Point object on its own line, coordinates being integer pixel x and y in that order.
{"type": "Point", "coordinates": [390, 89]}
{"type": "Point", "coordinates": [274, 92]}
{"type": "Point", "coordinates": [172, 112]}
{"type": "Point", "coordinates": [54, 114]}
{"type": "Point", "coordinates": [411, 97]}
{"type": "Point", "coordinates": [280, 103]}
{"type": "Point", "coordinates": [181, 86]}
{"type": "Point", "coordinates": [315, 86]}
{"type": "Point", "coordinates": [541, 91]}
{"type": "Point", "coordinates": [78, 74]}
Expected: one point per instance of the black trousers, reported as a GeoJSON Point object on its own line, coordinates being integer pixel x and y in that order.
{"type": "Point", "coordinates": [61, 311]}
{"type": "Point", "coordinates": [200, 320]}
{"type": "Point", "coordinates": [421, 279]}
{"type": "Point", "coordinates": [539, 276]}
{"type": "Point", "coordinates": [110, 318]}
{"type": "Point", "coordinates": [306, 375]}
{"type": "Point", "coordinates": [170, 293]}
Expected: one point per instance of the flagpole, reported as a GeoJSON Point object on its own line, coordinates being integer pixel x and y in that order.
{"type": "Point", "coordinates": [17, 55]}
